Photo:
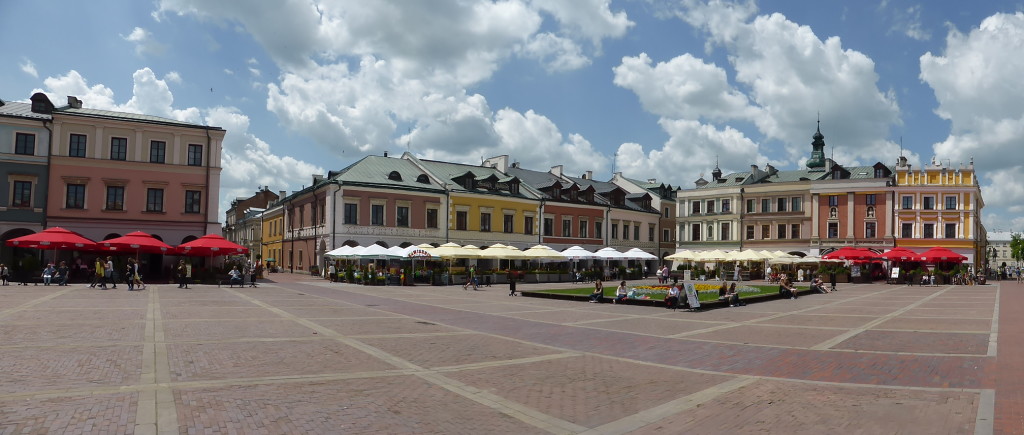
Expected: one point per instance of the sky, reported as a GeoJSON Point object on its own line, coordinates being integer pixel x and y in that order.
{"type": "Point", "coordinates": [649, 88]}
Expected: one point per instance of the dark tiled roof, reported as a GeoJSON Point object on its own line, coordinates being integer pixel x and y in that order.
{"type": "Point", "coordinates": [447, 172]}
{"type": "Point", "coordinates": [376, 170]}
{"type": "Point", "coordinates": [124, 116]}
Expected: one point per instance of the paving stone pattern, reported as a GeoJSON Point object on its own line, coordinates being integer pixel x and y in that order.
{"type": "Point", "coordinates": [302, 355]}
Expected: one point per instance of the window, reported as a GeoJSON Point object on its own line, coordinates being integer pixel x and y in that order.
{"type": "Point", "coordinates": [724, 233]}
{"type": "Point", "coordinates": [879, 173]}
{"type": "Point", "coordinates": [157, 151]}
{"type": "Point", "coordinates": [711, 232]}
{"type": "Point", "coordinates": [710, 206]}
{"type": "Point", "coordinates": [908, 202]}
{"type": "Point", "coordinates": [726, 206]}
{"type": "Point", "coordinates": [508, 223]}
{"type": "Point", "coordinates": [650, 233]}
{"type": "Point", "coordinates": [766, 232]}
{"type": "Point", "coordinates": [195, 155]}
{"type": "Point", "coordinates": [636, 232]}
{"type": "Point", "coordinates": [750, 206]}
{"type": "Point", "coordinates": [377, 214]}
{"type": "Point", "coordinates": [929, 231]}
{"type": "Point", "coordinates": [833, 201]}
{"type": "Point", "coordinates": [566, 227]}
{"type": "Point", "coordinates": [666, 212]}
{"type": "Point", "coordinates": [351, 214]}
{"type": "Point", "coordinates": [833, 230]}
{"type": "Point", "coordinates": [665, 235]}
{"type": "Point", "coordinates": [950, 203]}
{"type": "Point", "coordinates": [118, 148]}
{"type": "Point", "coordinates": [625, 231]}
{"type": "Point", "coordinates": [870, 230]}
{"type": "Point", "coordinates": [766, 205]}
{"type": "Point", "coordinates": [750, 232]}
{"type": "Point", "coordinates": [75, 196]}
{"type": "Point", "coordinates": [549, 226]}
{"type": "Point", "coordinates": [780, 204]}
{"type": "Point", "coordinates": [794, 231]}
{"type": "Point", "coordinates": [870, 211]}
{"type": "Point", "coordinates": [461, 220]}
{"type": "Point", "coordinates": [695, 232]}
{"type": "Point", "coordinates": [597, 229]}
{"type": "Point", "coordinates": [695, 207]}
{"type": "Point", "coordinates": [795, 203]}
{"type": "Point", "coordinates": [193, 201]}
{"type": "Point", "coordinates": [76, 146]}
{"type": "Point", "coordinates": [528, 225]}
{"type": "Point", "coordinates": [780, 231]}
{"type": "Point", "coordinates": [155, 200]}
{"type": "Point", "coordinates": [907, 231]}
{"type": "Point", "coordinates": [115, 198]}
{"type": "Point", "coordinates": [615, 231]}
{"type": "Point", "coordinates": [583, 229]}
{"type": "Point", "coordinates": [485, 222]}
{"type": "Point", "coordinates": [929, 203]}
{"type": "Point", "coordinates": [431, 218]}
{"type": "Point", "coordinates": [24, 143]}
{"type": "Point", "coordinates": [23, 194]}
{"type": "Point", "coordinates": [402, 216]}
{"type": "Point", "coordinates": [869, 199]}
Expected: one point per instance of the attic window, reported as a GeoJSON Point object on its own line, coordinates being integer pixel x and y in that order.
{"type": "Point", "coordinates": [739, 179]}
{"type": "Point", "coordinates": [395, 176]}
{"type": "Point", "coordinates": [422, 178]}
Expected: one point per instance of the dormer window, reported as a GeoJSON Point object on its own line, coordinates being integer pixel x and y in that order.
{"type": "Point", "coordinates": [880, 173]}
{"type": "Point", "coordinates": [422, 178]}
{"type": "Point", "coordinates": [395, 176]}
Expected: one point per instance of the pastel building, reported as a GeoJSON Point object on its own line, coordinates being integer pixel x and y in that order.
{"type": "Point", "coordinates": [112, 173]}
{"type": "Point", "coordinates": [939, 205]}
{"type": "Point", "coordinates": [24, 145]}
{"type": "Point", "coordinates": [663, 199]}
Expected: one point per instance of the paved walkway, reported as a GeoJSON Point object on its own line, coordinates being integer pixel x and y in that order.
{"type": "Point", "coordinates": [306, 356]}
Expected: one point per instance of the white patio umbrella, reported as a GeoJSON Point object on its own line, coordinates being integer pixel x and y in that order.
{"type": "Point", "coordinates": [578, 253]}
{"type": "Point", "coordinates": [610, 253]}
{"type": "Point", "coordinates": [542, 252]}
{"type": "Point", "coordinates": [342, 252]}
{"type": "Point", "coordinates": [376, 252]}
{"type": "Point", "coordinates": [710, 256]}
{"type": "Point", "coordinates": [684, 255]}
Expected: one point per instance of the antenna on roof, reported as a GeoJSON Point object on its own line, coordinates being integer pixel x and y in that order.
{"type": "Point", "coordinates": [901, 146]}
{"type": "Point", "coordinates": [408, 139]}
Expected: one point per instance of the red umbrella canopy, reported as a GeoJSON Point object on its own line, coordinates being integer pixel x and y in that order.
{"type": "Point", "coordinates": [136, 242]}
{"type": "Point", "coordinates": [940, 254]}
{"type": "Point", "coordinates": [899, 253]}
{"type": "Point", "coordinates": [849, 253]}
{"type": "Point", "coordinates": [211, 244]}
{"type": "Point", "coordinates": [52, 238]}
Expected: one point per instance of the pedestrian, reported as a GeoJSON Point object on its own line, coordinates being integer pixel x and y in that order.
{"type": "Point", "coordinates": [100, 276]}
{"type": "Point", "coordinates": [48, 273]}
{"type": "Point", "coordinates": [108, 272]}
{"type": "Point", "coordinates": [136, 278]}
{"type": "Point", "coordinates": [470, 278]}
{"type": "Point", "coordinates": [129, 274]}
{"type": "Point", "coordinates": [664, 274]}
{"type": "Point", "coordinates": [332, 271]}
{"type": "Point", "coordinates": [252, 274]}
{"type": "Point", "coordinates": [5, 274]}
{"type": "Point", "coordinates": [62, 274]}
{"type": "Point", "coordinates": [181, 274]}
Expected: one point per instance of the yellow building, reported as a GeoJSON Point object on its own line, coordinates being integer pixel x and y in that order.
{"type": "Point", "coordinates": [273, 234]}
{"type": "Point", "coordinates": [940, 205]}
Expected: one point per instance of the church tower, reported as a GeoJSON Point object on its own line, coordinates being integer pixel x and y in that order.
{"type": "Point", "coordinates": [817, 159]}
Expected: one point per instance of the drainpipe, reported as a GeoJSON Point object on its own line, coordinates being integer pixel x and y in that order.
{"type": "Point", "coordinates": [334, 215]}
{"type": "Point", "coordinates": [49, 157]}
{"type": "Point", "coordinates": [206, 214]}
{"type": "Point", "coordinates": [447, 212]}
{"type": "Point", "coordinates": [291, 246]}
{"type": "Point", "coordinates": [742, 231]}
{"type": "Point", "coordinates": [540, 234]}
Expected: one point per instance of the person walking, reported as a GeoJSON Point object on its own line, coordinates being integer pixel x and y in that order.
{"type": "Point", "coordinates": [108, 272]}
{"type": "Point", "coordinates": [470, 278]}
{"type": "Point", "coordinates": [62, 274]}
{"type": "Point", "coordinates": [100, 275]}
{"type": "Point", "coordinates": [5, 274]}
{"type": "Point", "coordinates": [136, 278]}
{"type": "Point", "coordinates": [129, 273]}
{"type": "Point", "coordinates": [181, 271]}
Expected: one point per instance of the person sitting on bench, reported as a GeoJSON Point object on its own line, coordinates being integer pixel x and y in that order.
{"type": "Point", "coordinates": [598, 293]}
{"type": "Point", "coordinates": [621, 292]}
{"type": "Point", "coordinates": [734, 296]}
{"type": "Point", "coordinates": [672, 299]}
{"type": "Point", "coordinates": [818, 285]}
{"type": "Point", "coordinates": [786, 289]}
{"type": "Point", "coordinates": [235, 277]}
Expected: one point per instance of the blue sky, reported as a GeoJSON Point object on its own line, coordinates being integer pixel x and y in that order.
{"type": "Point", "coordinates": [655, 89]}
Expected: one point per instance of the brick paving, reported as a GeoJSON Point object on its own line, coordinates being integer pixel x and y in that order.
{"type": "Point", "coordinates": [300, 355]}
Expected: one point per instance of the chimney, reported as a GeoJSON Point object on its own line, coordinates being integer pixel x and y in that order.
{"type": "Point", "coordinates": [499, 162]}
{"type": "Point", "coordinates": [385, 153]}
{"type": "Point", "coordinates": [753, 168]}
{"type": "Point", "coordinates": [589, 175]}
{"type": "Point", "coordinates": [652, 180]}
{"type": "Point", "coordinates": [282, 194]}
{"type": "Point", "coordinates": [770, 169]}
{"type": "Point", "coordinates": [557, 170]}
{"type": "Point", "coordinates": [74, 102]}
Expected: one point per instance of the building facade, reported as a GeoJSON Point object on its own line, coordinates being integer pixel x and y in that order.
{"type": "Point", "coordinates": [663, 199]}
{"type": "Point", "coordinates": [273, 233]}
{"type": "Point", "coordinates": [24, 182]}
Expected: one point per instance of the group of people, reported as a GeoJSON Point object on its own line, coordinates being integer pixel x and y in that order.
{"type": "Point", "coordinates": [53, 274]}
{"type": "Point", "coordinates": [104, 273]}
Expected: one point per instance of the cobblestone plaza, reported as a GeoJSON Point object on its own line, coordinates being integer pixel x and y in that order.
{"type": "Point", "coordinates": [301, 355]}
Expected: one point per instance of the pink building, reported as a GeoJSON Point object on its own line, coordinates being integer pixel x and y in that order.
{"type": "Point", "coordinates": [112, 173]}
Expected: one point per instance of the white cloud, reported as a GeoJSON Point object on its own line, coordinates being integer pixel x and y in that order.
{"type": "Point", "coordinates": [978, 90]}
{"type": "Point", "coordinates": [144, 42]}
{"type": "Point", "coordinates": [255, 72]}
{"type": "Point", "coordinates": [229, 72]}
{"type": "Point", "coordinates": [173, 77]}
{"type": "Point", "coordinates": [683, 88]}
{"type": "Point", "coordinates": [911, 24]}
{"type": "Point", "coordinates": [247, 161]}
{"type": "Point", "coordinates": [29, 68]}
{"type": "Point", "coordinates": [692, 149]}
{"type": "Point", "coordinates": [555, 53]}
{"type": "Point", "coordinates": [354, 72]}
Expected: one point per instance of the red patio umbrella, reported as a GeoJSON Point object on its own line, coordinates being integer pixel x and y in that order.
{"type": "Point", "coordinates": [136, 242]}
{"type": "Point", "coordinates": [899, 253]}
{"type": "Point", "coordinates": [210, 245]}
{"type": "Point", "coordinates": [849, 253]}
{"type": "Point", "coordinates": [52, 238]}
{"type": "Point", "coordinates": [940, 254]}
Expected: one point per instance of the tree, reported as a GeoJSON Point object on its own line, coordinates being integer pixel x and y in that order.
{"type": "Point", "coordinates": [1017, 247]}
